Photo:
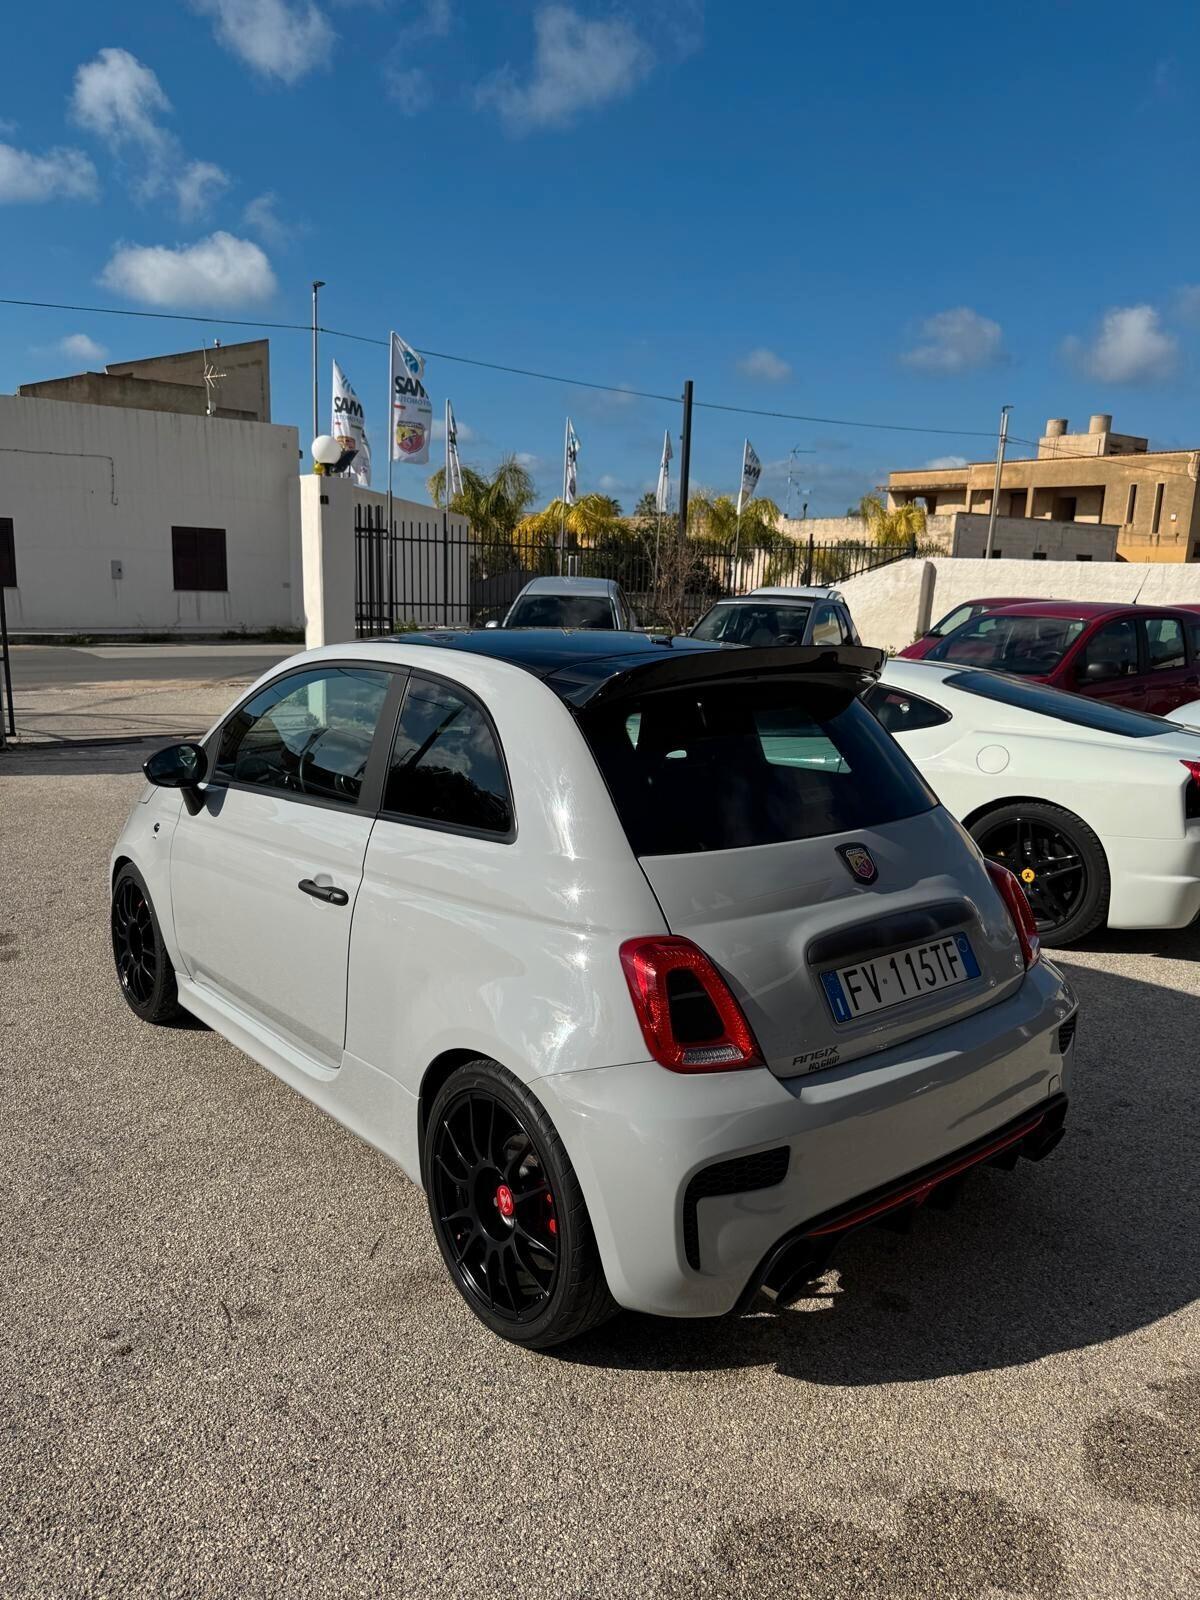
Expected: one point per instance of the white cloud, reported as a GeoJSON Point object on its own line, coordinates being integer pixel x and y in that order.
{"type": "Point", "coordinates": [466, 435]}
{"type": "Point", "coordinates": [284, 39]}
{"type": "Point", "coordinates": [261, 216]}
{"type": "Point", "coordinates": [82, 348]}
{"type": "Point", "coordinates": [1129, 347]}
{"type": "Point", "coordinates": [765, 365]}
{"type": "Point", "coordinates": [197, 186]}
{"type": "Point", "coordinates": [409, 87]}
{"type": "Point", "coordinates": [578, 64]}
{"type": "Point", "coordinates": [119, 99]}
{"type": "Point", "coordinates": [60, 174]}
{"type": "Point", "coordinates": [956, 341]}
{"type": "Point", "coordinates": [220, 271]}
{"type": "Point", "coordinates": [945, 463]}
{"type": "Point", "coordinates": [527, 459]}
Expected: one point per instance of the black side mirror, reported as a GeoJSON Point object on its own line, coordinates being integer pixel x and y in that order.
{"type": "Point", "coordinates": [179, 766]}
{"type": "Point", "coordinates": [1100, 671]}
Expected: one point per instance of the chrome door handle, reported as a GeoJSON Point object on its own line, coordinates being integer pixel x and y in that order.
{"type": "Point", "coordinates": [324, 891]}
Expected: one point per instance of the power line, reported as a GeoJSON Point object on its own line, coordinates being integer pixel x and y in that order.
{"type": "Point", "coordinates": [498, 366]}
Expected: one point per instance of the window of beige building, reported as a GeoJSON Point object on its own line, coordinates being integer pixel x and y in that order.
{"type": "Point", "coordinates": [1131, 506]}
{"type": "Point", "coordinates": [1158, 499]}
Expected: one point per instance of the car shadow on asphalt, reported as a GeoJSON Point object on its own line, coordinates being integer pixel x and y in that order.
{"type": "Point", "coordinates": [1099, 1240]}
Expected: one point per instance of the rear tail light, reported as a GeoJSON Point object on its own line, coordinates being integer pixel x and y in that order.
{"type": "Point", "coordinates": [1017, 906]}
{"type": "Point", "coordinates": [1191, 795]}
{"type": "Point", "coordinates": [688, 1015]}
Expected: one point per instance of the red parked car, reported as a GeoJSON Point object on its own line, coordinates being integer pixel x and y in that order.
{"type": "Point", "coordinates": [1143, 657]}
{"type": "Point", "coordinates": [955, 619]}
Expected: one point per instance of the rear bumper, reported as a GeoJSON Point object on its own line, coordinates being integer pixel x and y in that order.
{"type": "Point", "coordinates": [1155, 883]}
{"type": "Point", "coordinates": [677, 1239]}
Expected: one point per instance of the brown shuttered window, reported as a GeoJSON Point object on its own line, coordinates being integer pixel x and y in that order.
{"type": "Point", "coordinates": [198, 556]}
{"type": "Point", "coordinates": [8, 554]}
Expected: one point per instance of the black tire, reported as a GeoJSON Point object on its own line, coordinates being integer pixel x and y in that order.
{"type": "Point", "coordinates": [508, 1213]}
{"type": "Point", "coordinates": [144, 968]}
{"type": "Point", "coordinates": [1059, 860]}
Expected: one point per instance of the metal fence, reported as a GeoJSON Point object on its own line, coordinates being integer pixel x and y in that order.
{"type": "Point", "coordinates": [8, 723]}
{"type": "Point", "coordinates": [434, 572]}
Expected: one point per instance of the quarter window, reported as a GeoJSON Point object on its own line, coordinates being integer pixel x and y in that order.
{"type": "Point", "coordinates": [1164, 636]}
{"type": "Point", "coordinates": [308, 734]}
{"type": "Point", "coordinates": [446, 766]}
{"type": "Point", "coordinates": [903, 713]}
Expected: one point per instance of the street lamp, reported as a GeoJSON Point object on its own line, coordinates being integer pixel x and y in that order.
{"type": "Point", "coordinates": [317, 284]}
{"type": "Point", "coordinates": [796, 450]}
{"type": "Point", "coordinates": [326, 453]}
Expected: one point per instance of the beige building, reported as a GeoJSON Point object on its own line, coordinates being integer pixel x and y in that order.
{"type": "Point", "coordinates": [239, 374]}
{"type": "Point", "coordinates": [1151, 496]}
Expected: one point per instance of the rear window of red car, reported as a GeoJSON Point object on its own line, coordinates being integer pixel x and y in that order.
{"type": "Point", "coordinates": [1030, 646]}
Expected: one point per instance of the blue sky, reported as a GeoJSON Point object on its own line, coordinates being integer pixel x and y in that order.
{"type": "Point", "coordinates": [895, 214]}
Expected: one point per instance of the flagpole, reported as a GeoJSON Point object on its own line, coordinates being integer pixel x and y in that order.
{"type": "Point", "coordinates": [562, 514]}
{"type": "Point", "coordinates": [391, 425]}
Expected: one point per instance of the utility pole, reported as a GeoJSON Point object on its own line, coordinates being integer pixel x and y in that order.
{"type": "Point", "coordinates": [1000, 443]}
{"type": "Point", "coordinates": [685, 457]}
{"type": "Point", "coordinates": [318, 284]}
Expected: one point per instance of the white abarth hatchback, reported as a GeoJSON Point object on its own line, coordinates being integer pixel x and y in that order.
{"type": "Point", "coordinates": [658, 966]}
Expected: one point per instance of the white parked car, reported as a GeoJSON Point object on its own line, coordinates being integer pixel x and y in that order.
{"type": "Point", "coordinates": [657, 965]}
{"type": "Point", "coordinates": [798, 614]}
{"type": "Point", "coordinates": [1096, 808]}
{"type": "Point", "coordinates": [570, 603]}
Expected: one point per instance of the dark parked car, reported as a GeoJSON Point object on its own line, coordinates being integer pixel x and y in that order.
{"type": "Point", "coordinates": [1144, 657]}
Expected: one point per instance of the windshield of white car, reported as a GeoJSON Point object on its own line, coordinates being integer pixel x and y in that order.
{"type": "Point", "coordinates": [1030, 646]}
{"type": "Point", "coordinates": [562, 611]}
{"type": "Point", "coordinates": [753, 624]}
{"type": "Point", "coordinates": [723, 766]}
{"type": "Point", "coordinates": [1098, 715]}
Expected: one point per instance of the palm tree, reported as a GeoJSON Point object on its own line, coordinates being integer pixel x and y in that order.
{"type": "Point", "coordinates": [715, 517]}
{"type": "Point", "coordinates": [902, 525]}
{"type": "Point", "coordinates": [494, 506]}
{"type": "Point", "coordinates": [591, 516]}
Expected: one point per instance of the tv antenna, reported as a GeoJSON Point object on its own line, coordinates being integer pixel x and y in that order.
{"type": "Point", "coordinates": [211, 379]}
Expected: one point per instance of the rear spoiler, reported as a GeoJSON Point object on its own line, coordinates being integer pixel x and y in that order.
{"type": "Point", "coordinates": [849, 668]}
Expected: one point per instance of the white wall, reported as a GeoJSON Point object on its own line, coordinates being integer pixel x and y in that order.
{"type": "Point", "coordinates": [89, 485]}
{"type": "Point", "coordinates": [884, 603]}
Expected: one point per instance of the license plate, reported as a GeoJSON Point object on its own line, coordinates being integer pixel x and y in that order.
{"type": "Point", "coordinates": [905, 975]}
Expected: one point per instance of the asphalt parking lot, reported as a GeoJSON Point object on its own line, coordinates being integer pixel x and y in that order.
{"type": "Point", "coordinates": [232, 1363]}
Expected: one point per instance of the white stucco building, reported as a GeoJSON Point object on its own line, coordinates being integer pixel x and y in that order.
{"type": "Point", "coordinates": [116, 520]}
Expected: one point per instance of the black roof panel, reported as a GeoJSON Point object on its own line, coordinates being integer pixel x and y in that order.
{"type": "Point", "coordinates": [578, 663]}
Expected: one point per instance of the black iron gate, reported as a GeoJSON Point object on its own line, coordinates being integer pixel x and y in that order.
{"type": "Point", "coordinates": [432, 572]}
{"type": "Point", "coordinates": [8, 723]}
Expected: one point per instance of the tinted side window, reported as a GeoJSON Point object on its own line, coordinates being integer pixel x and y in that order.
{"type": "Point", "coordinates": [1112, 652]}
{"type": "Point", "coordinates": [308, 734]}
{"type": "Point", "coordinates": [1164, 635]}
{"type": "Point", "coordinates": [899, 712]}
{"type": "Point", "coordinates": [446, 765]}
{"type": "Point", "coordinates": [827, 626]}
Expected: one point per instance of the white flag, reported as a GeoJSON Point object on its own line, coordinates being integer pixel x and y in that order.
{"type": "Point", "coordinates": [570, 474]}
{"type": "Point", "coordinates": [454, 483]}
{"type": "Point", "coordinates": [751, 473]}
{"type": "Point", "coordinates": [350, 429]}
{"type": "Point", "coordinates": [662, 500]}
{"type": "Point", "coordinates": [412, 414]}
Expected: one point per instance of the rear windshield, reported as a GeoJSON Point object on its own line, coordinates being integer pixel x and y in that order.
{"type": "Point", "coordinates": [1077, 709]}
{"type": "Point", "coordinates": [562, 611]}
{"type": "Point", "coordinates": [757, 624]}
{"type": "Point", "coordinates": [1030, 646]}
{"type": "Point", "coordinates": [731, 765]}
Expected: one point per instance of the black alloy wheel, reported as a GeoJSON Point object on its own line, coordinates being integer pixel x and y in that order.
{"type": "Point", "coordinates": [507, 1211]}
{"type": "Point", "coordinates": [144, 968]}
{"type": "Point", "coordinates": [1059, 862]}
{"type": "Point", "coordinates": [495, 1206]}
